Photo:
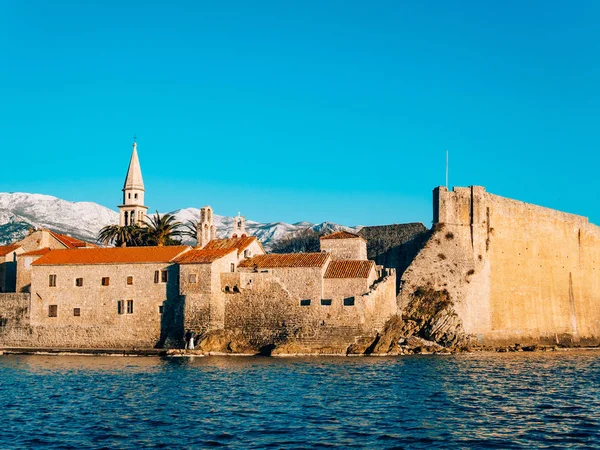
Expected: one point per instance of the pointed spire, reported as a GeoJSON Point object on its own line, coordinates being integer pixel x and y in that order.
{"type": "Point", "coordinates": [134, 172]}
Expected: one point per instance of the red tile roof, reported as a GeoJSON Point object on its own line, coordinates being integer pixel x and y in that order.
{"type": "Point", "coordinates": [239, 243]}
{"type": "Point", "coordinates": [204, 255]}
{"type": "Point", "coordinates": [343, 235]}
{"type": "Point", "coordinates": [115, 255]}
{"type": "Point", "coordinates": [6, 249]}
{"type": "Point", "coordinates": [70, 241]}
{"type": "Point", "coordinates": [349, 269]}
{"type": "Point", "coordinates": [286, 260]}
{"type": "Point", "coordinates": [39, 252]}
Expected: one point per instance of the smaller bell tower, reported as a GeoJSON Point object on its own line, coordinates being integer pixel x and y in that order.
{"type": "Point", "coordinates": [206, 230]}
{"type": "Point", "coordinates": [239, 226]}
{"type": "Point", "coordinates": [133, 211]}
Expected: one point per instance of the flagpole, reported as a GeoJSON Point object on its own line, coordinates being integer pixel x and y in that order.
{"type": "Point", "coordinates": [446, 169]}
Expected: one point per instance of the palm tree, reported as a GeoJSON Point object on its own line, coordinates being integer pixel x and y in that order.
{"type": "Point", "coordinates": [190, 229]}
{"type": "Point", "coordinates": [163, 230]}
{"type": "Point", "coordinates": [120, 236]}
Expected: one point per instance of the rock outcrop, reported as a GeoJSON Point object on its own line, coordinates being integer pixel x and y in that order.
{"type": "Point", "coordinates": [428, 324]}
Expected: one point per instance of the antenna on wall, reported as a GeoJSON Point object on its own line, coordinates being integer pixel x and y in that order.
{"type": "Point", "coordinates": [446, 169]}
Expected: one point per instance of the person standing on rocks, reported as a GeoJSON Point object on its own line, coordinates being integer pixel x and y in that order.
{"type": "Point", "coordinates": [191, 344]}
{"type": "Point", "coordinates": [187, 337]}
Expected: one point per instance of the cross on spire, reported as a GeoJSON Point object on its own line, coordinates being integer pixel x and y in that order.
{"type": "Point", "coordinates": [134, 138]}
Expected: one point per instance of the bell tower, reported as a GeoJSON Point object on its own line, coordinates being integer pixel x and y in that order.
{"type": "Point", "coordinates": [133, 211]}
{"type": "Point", "coordinates": [239, 226]}
{"type": "Point", "coordinates": [206, 230]}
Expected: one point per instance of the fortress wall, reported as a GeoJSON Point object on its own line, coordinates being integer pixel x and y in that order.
{"type": "Point", "coordinates": [516, 272]}
{"type": "Point", "coordinates": [545, 277]}
{"type": "Point", "coordinates": [262, 311]}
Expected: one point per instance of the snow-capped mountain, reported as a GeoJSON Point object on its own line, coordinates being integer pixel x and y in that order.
{"type": "Point", "coordinates": [83, 220]}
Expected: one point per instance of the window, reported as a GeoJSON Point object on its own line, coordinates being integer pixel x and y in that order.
{"type": "Point", "coordinates": [326, 301]}
{"type": "Point", "coordinates": [247, 253]}
{"type": "Point", "coordinates": [305, 302]}
{"type": "Point", "coordinates": [164, 276]}
{"type": "Point", "coordinates": [53, 311]}
{"type": "Point", "coordinates": [105, 281]}
{"type": "Point", "coordinates": [128, 195]}
{"type": "Point", "coordinates": [78, 282]}
{"type": "Point", "coordinates": [129, 306]}
{"type": "Point", "coordinates": [135, 196]}
{"type": "Point", "coordinates": [232, 267]}
{"type": "Point", "coordinates": [76, 312]}
{"type": "Point", "coordinates": [52, 281]}
{"type": "Point", "coordinates": [349, 301]}
{"type": "Point", "coordinates": [156, 276]}
{"type": "Point", "coordinates": [120, 306]}
{"type": "Point", "coordinates": [129, 281]}
{"type": "Point", "coordinates": [193, 277]}
{"type": "Point", "coordinates": [161, 309]}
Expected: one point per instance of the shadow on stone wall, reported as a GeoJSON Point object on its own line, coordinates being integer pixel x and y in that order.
{"type": "Point", "coordinates": [171, 320]}
{"type": "Point", "coordinates": [395, 246]}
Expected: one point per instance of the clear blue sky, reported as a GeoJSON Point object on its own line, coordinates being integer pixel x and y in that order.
{"type": "Point", "coordinates": [308, 110]}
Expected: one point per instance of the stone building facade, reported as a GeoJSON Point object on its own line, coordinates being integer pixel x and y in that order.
{"type": "Point", "coordinates": [15, 259]}
{"type": "Point", "coordinates": [123, 297]}
{"type": "Point", "coordinates": [344, 245]}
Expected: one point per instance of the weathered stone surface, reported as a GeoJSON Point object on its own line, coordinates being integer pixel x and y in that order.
{"type": "Point", "coordinates": [225, 341]}
{"type": "Point", "coordinates": [515, 272]}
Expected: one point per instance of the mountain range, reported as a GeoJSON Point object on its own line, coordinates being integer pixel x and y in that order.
{"type": "Point", "coordinates": [19, 212]}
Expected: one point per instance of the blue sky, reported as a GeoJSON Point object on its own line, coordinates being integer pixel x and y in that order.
{"type": "Point", "coordinates": [305, 110]}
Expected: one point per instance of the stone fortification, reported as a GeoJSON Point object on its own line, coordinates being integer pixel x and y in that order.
{"type": "Point", "coordinates": [262, 314]}
{"type": "Point", "coordinates": [514, 272]}
{"type": "Point", "coordinates": [14, 318]}
{"type": "Point", "coordinates": [396, 245]}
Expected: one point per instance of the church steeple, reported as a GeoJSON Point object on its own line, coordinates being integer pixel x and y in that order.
{"type": "Point", "coordinates": [134, 178]}
{"type": "Point", "coordinates": [133, 211]}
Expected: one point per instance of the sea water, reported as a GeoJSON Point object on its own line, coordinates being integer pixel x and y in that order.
{"type": "Point", "coordinates": [518, 400]}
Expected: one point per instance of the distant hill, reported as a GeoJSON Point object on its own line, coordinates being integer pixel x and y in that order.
{"type": "Point", "coordinates": [20, 211]}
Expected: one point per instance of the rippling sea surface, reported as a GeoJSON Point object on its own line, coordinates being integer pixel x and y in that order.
{"type": "Point", "coordinates": [520, 400]}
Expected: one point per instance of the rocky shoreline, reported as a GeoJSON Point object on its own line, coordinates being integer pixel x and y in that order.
{"type": "Point", "coordinates": [413, 346]}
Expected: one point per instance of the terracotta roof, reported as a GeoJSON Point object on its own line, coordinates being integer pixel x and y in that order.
{"type": "Point", "coordinates": [114, 255]}
{"type": "Point", "coordinates": [6, 249]}
{"type": "Point", "coordinates": [286, 260]}
{"type": "Point", "coordinates": [203, 255]}
{"type": "Point", "coordinates": [70, 241]}
{"type": "Point", "coordinates": [349, 269]}
{"type": "Point", "coordinates": [39, 252]}
{"type": "Point", "coordinates": [239, 243]}
{"type": "Point", "coordinates": [343, 235]}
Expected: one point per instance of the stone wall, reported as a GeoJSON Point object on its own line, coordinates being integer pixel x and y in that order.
{"type": "Point", "coordinates": [349, 248]}
{"type": "Point", "coordinates": [24, 272]}
{"type": "Point", "coordinates": [261, 312]}
{"type": "Point", "coordinates": [395, 246]}
{"type": "Point", "coordinates": [156, 315]}
{"type": "Point", "coordinates": [14, 319]}
{"type": "Point", "coordinates": [515, 272]}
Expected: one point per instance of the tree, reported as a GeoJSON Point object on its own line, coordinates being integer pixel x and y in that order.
{"type": "Point", "coordinates": [306, 240]}
{"type": "Point", "coordinates": [190, 229]}
{"type": "Point", "coordinates": [131, 235]}
{"type": "Point", "coordinates": [163, 230]}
